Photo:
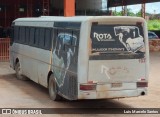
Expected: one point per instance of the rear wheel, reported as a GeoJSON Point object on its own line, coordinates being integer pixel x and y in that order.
{"type": "Point", "coordinates": [19, 72]}
{"type": "Point", "coordinates": [53, 91]}
{"type": "Point", "coordinates": [128, 47]}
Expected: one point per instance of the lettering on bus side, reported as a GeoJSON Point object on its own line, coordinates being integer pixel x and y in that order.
{"type": "Point", "coordinates": [103, 36]}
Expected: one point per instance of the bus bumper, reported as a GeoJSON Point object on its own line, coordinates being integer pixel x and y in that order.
{"type": "Point", "coordinates": [111, 94]}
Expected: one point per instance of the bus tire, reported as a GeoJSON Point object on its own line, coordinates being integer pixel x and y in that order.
{"type": "Point", "coordinates": [53, 92]}
{"type": "Point", "coordinates": [19, 75]}
{"type": "Point", "coordinates": [128, 47]}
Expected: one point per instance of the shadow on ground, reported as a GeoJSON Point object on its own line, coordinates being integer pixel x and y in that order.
{"type": "Point", "coordinates": [38, 93]}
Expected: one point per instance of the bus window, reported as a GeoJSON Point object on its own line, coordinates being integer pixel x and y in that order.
{"type": "Point", "coordinates": [113, 38]}
{"type": "Point", "coordinates": [130, 37]}
{"type": "Point", "coordinates": [36, 38]}
{"type": "Point", "coordinates": [48, 38]}
{"type": "Point", "coordinates": [60, 42]}
{"type": "Point", "coordinates": [22, 35]}
{"type": "Point", "coordinates": [27, 35]}
{"type": "Point", "coordinates": [31, 36]}
{"type": "Point", "coordinates": [16, 33]}
{"type": "Point", "coordinates": [12, 35]}
{"type": "Point", "coordinates": [42, 38]}
{"type": "Point", "coordinates": [67, 40]}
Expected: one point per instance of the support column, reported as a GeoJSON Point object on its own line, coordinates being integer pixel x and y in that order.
{"type": "Point", "coordinates": [69, 8]}
{"type": "Point", "coordinates": [124, 8]}
{"type": "Point", "coordinates": [143, 10]}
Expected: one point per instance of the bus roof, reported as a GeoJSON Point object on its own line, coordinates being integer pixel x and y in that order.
{"type": "Point", "coordinates": [73, 19]}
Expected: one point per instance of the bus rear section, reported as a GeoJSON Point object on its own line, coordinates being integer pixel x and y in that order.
{"type": "Point", "coordinates": [118, 60]}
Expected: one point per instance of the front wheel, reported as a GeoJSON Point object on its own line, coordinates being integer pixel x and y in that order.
{"type": "Point", "coordinates": [19, 72]}
{"type": "Point", "coordinates": [53, 92]}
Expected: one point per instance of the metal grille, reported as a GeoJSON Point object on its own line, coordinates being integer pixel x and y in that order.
{"type": "Point", "coordinates": [4, 49]}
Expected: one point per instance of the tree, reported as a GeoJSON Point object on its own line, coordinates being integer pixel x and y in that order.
{"type": "Point", "coordinates": [129, 13]}
{"type": "Point", "coordinates": [139, 13]}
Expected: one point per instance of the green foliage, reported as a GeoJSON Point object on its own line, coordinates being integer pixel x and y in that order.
{"type": "Point", "coordinates": [129, 13]}
{"type": "Point", "coordinates": [138, 14]}
{"type": "Point", "coordinates": [153, 25]}
{"type": "Point", "coordinates": [117, 13]}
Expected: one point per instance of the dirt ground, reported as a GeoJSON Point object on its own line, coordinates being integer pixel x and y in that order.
{"type": "Point", "coordinates": [27, 94]}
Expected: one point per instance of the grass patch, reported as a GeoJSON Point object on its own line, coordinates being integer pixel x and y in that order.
{"type": "Point", "coordinates": [153, 25]}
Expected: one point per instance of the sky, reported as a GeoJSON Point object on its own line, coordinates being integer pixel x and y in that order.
{"type": "Point", "coordinates": [150, 8]}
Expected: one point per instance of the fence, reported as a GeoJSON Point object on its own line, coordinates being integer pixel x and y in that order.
{"type": "Point", "coordinates": [4, 49]}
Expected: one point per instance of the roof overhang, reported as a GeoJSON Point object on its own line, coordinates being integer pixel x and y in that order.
{"type": "Point", "coordinates": [114, 3]}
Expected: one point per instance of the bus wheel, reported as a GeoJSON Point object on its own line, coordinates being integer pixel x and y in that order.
{"type": "Point", "coordinates": [53, 89]}
{"type": "Point", "coordinates": [128, 47]}
{"type": "Point", "coordinates": [18, 72]}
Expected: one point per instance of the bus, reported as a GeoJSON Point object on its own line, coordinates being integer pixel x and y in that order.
{"type": "Point", "coordinates": [82, 57]}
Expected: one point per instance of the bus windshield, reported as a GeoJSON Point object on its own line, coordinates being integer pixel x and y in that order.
{"type": "Point", "coordinates": [117, 38]}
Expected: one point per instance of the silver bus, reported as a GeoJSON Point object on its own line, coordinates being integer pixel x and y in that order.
{"type": "Point", "coordinates": [82, 57]}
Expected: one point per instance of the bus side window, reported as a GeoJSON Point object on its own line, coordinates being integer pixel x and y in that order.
{"type": "Point", "coordinates": [67, 40]}
{"type": "Point", "coordinates": [36, 38]}
{"type": "Point", "coordinates": [16, 33]}
{"type": "Point", "coordinates": [60, 40]}
{"type": "Point", "coordinates": [27, 34]}
{"type": "Point", "coordinates": [42, 38]}
{"type": "Point", "coordinates": [48, 38]}
{"type": "Point", "coordinates": [22, 35]}
{"type": "Point", "coordinates": [12, 35]}
{"type": "Point", "coordinates": [75, 35]}
{"type": "Point", "coordinates": [31, 36]}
